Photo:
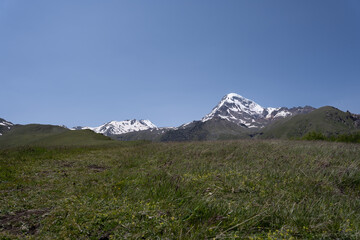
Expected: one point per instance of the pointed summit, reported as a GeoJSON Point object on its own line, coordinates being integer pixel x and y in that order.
{"type": "Point", "coordinates": [235, 108]}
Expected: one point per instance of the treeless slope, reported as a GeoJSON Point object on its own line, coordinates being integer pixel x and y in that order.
{"type": "Point", "coordinates": [327, 120]}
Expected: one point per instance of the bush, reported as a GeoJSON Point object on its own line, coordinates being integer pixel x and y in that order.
{"type": "Point", "coordinates": [353, 138]}
{"type": "Point", "coordinates": [314, 136]}
{"type": "Point", "coordinates": [349, 138]}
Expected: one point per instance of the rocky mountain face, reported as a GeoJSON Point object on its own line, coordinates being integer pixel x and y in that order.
{"type": "Point", "coordinates": [5, 126]}
{"type": "Point", "coordinates": [121, 127]}
{"type": "Point", "coordinates": [355, 118]}
{"type": "Point", "coordinates": [247, 113]}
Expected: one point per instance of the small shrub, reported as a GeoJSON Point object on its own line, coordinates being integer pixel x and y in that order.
{"type": "Point", "coordinates": [314, 136]}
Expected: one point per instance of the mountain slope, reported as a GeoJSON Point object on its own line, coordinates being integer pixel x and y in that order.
{"type": "Point", "coordinates": [327, 120]}
{"type": "Point", "coordinates": [49, 135]}
{"type": "Point", "coordinates": [121, 127]}
{"type": "Point", "coordinates": [5, 126]}
{"type": "Point", "coordinates": [212, 129]}
{"type": "Point", "coordinates": [153, 134]}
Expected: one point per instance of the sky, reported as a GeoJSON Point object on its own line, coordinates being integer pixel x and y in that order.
{"type": "Point", "coordinates": [85, 63]}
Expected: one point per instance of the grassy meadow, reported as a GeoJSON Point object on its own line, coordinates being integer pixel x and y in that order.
{"type": "Point", "coordinates": [243, 189]}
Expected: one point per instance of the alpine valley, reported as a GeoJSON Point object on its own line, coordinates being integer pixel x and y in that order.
{"type": "Point", "coordinates": [234, 117]}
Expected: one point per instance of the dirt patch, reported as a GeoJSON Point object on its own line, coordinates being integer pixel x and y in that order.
{"type": "Point", "coordinates": [324, 164]}
{"type": "Point", "coordinates": [23, 222]}
{"type": "Point", "coordinates": [67, 164]}
{"type": "Point", "coordinates": [216, 219]}
{"type": "Point", "coordinates": [45, 173]}
{"type": "Point", "coordinates": [97, 168]}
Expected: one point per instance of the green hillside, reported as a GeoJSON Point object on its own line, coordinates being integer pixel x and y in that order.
{"type": "Point", "coordinates": [215, 129]}
{"type": "Point", "coordinates": [326, 120]}
{"type": "Point", "coordinates": [50, 135]}
{"type": "Point", "coordinates": [150, 135]}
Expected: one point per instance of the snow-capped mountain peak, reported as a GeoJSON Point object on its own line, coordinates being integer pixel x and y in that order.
{"type": "Point", "coordinates": [242, 111]}
{"type": "Point", "coordinates": [232, 104]}
{"type": "Point", "coordinates": [120, 127]}
{"type": "Point", "coordinates": [242, 103]}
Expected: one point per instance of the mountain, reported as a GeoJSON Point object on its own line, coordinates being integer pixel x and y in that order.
{"type": "Point", "coordinates": [5, 126]}
{"type": "Point", "coordinates": [121, 127]}
{"type": "Point", "coordinates": [234, 117]}
{"type": "Point", "coordinates": [247, 113]}
{"type": "Point", "coordinates": [327, 120]}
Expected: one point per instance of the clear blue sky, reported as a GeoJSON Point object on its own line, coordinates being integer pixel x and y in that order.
{"type": "Point", "coordinates": [90, 62]}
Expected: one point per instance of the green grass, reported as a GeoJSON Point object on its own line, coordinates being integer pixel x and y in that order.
{"type": "Point", "coordinates": [193, 190]}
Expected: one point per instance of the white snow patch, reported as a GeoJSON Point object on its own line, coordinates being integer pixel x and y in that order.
{"type": "Point", "coordinates": [270, 110]}
{"type": "Point", "coordinates": [6, 123]}
{"type": "Point", "coordinates": [186, 124]}
{"type": "Point", "coordinates": [282, 114]}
